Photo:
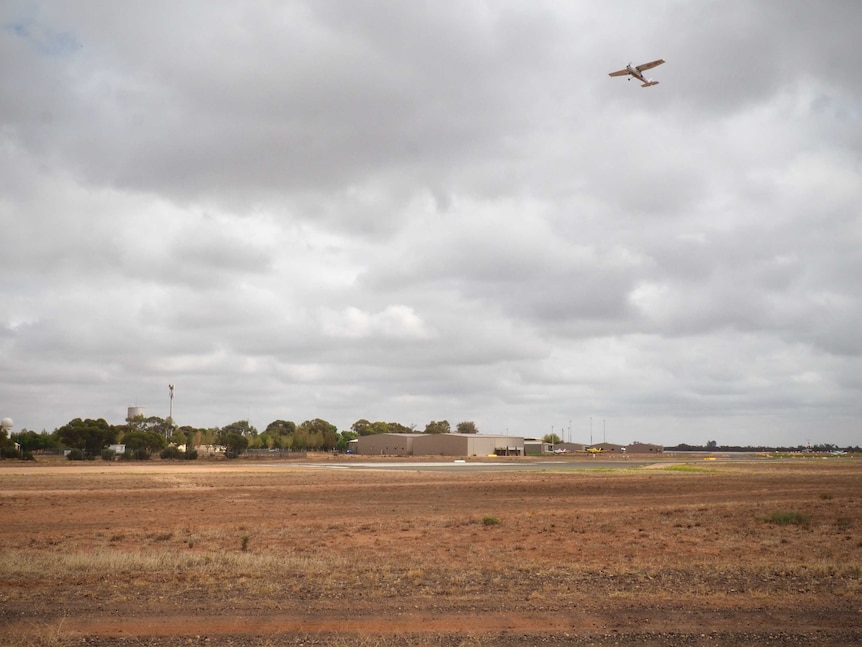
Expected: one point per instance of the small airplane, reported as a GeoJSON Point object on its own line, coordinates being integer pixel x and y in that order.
{"type": "Point", "coordinates": [637, 72]}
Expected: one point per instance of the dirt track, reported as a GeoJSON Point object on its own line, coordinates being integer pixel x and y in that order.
{"type": "Point", "coordinates": [162, 554]}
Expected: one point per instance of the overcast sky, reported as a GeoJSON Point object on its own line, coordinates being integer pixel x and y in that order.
{"type": "Point", "coordinates": [415, 211]}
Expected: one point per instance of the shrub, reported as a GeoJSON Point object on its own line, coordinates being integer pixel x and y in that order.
{"type": "Point", "coordinates": [75, 455]}
{"type": "Point", "coordinates": [683, 468]}
{"type": "Point", "coordinates": [490, 521]}
{"type": "Point", "coordinates": [788, 519]}
{"type": "Point", "coordinates": [170, 453]}
{"type": "Point", "coordinates": [108, 454]}
{"type": "Point", "coordinates": [843, 524]}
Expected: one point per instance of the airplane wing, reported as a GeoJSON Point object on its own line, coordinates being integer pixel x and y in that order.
{"type": "Point", "coordinates": [619, 73]}
{"type": "Point", "coordinates": [649, 66]}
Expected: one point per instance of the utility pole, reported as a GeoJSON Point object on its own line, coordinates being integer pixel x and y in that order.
{"type": "Point", "coordinates": [171, 408]}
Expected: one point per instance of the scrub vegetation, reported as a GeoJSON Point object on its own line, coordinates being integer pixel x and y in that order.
{"type": "Point", "coordinates": [163, 555]}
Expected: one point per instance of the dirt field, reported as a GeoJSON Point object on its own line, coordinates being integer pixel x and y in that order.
{"type": "Point", "coordinates": [158, 554]}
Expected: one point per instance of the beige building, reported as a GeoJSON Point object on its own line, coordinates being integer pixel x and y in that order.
{"type": "Point", "coordinates": [570, 448]}
{"type": "Point", "coordinates": [467, 445]}
{"type": "Point", "coordinates": [386, 444]}
{"type": "Point", "coordinates": [535, 447]}
{"type": "Point", "coordinates": [608, 447]}
{"type": "Point", "coordinates": [439, 445]}
{"type": "Point", "coordinates": [644, 448]}
{"type": "Point", "coordinates": [634, 448]}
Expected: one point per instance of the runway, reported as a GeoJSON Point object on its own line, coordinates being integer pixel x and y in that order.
{"type": "Point", "coordinates": [478, 466]}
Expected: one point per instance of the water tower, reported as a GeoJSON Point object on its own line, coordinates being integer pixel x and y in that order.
{"type": "Point", "coordinates": [135, 412]}
{"type": "Point", "coordinates": [6, 424]}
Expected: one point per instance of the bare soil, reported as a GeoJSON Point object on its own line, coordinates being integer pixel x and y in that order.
{"type": "Point", "coordinates": [243, 553]}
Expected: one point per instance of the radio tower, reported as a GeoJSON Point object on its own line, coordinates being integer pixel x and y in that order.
{"type": "Point", "coordinates": [171, 407]}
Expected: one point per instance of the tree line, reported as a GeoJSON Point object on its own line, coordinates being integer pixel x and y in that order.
{"type": "Point", "coordinates": [711, 445]}
{"type": "Point", "coordinates": [145, 436]}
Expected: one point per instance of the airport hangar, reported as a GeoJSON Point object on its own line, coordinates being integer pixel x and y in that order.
{"type": "Point", "coordinates": [439, 445]}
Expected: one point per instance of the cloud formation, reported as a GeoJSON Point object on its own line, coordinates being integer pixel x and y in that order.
{"type": "Point", "coordinates": [425, 211]}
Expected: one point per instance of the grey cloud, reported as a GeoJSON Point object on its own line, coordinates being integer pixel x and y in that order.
{"type": "Point", "coordinates": [441, 210]}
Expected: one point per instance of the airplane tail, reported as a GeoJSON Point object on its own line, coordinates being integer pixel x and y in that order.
{"type": "Point", "coordinates": [648, 83]}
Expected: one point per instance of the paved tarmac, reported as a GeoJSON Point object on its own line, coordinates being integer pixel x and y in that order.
{"type": "Point", "coordinates": [479, 466]}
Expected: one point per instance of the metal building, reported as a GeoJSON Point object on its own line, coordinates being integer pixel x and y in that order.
{"type": "Point", "coordinates": [644, 448]}
{"type": "Point", "coordinates": [386, 444]}
{"type": "Point", "coordinates": [439, 445]}
{"type": "Point", "coordinates": [608, 448]}
{"type": "Point", "coordinates": [467, 445]}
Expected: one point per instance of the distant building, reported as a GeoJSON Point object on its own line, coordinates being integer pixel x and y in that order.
{"type": "Point", "coordinates": [644, 448]}
{"type": "Point", "coordinates": [439, 445]}
{"type": "Point", "coordinates": [467, 445]}
{"type": "Point", "coordinates": [569, 448]}
{"type": "Point", "coordinates": [609, 448]}
{"type": "Point", "coordinates": [386, 444]}
{"type": "Point", "coordinates": [535, 447]}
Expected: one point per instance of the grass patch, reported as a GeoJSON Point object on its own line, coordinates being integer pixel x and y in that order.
{"type": "Point", "coordinates": [490, 521]}
{"type": "Point", "coordinates": [788, 519]}
{"type": "Point", "coordinates": [683, 468]}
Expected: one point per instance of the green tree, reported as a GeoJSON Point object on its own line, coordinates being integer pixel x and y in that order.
{"type": "Point", "coordinates": [398, 428]}
{"type": "Point", "coordinates": [551, 439]}
{"type": "Point", "coordinates": [380, 427]}
{"type": "Point", "coordinates": [267, 440]}
{"type": "Point", "coordinates": [240, 427]}
{"type": "Point", "coordinates": [362, 427]}
{"type": "Point", "coordinates": [7, 446]}
{"type": "Point", "coordinates": [434, 427]}
{"type": "Point", "coordinates": [280, 428]}
{"type": "Point", "coordinates": [179, 437]}
{"type": "Point", "coordinates": [193, 437]}
{"type": "Point", "coordinates": [236, 444]}
{"type": "Point", "coordinates": [207, 436]}
{"type": "Point", "coordinates": [30, 441]}
{"type": "Point", "coordinates": [467, 427]}
{"type": "Point", "coordinates": [88, 436]}
{"type": "Point", "coordinates": [153, 423]}
{"type": "Point", "coordinates": [344, 439]}
{"type": "Point", "coordinates": [365, 428]}
{"type": "Point", "coordinates": [318, 434]}
{"type": "Point", "coordinates": [278, 434]}
{"type": "Point", "coordinates": [142, 444]}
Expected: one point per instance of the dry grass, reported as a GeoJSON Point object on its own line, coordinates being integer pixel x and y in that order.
{"type": "Point", "coordinates": [368, 545]}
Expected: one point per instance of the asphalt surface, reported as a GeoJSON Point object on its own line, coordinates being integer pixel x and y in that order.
{"type": "Point", "coordinates": [467, 466]}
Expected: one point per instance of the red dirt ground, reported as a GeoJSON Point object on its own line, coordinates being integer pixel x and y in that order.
{"type": "Point", "coordinates": [249, 554]}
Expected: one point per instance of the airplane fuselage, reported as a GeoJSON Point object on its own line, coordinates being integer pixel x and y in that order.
{"type": "Point", "coordinates": [634, 72]}
{"type": "Point", "coordinates": [637, 71]}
